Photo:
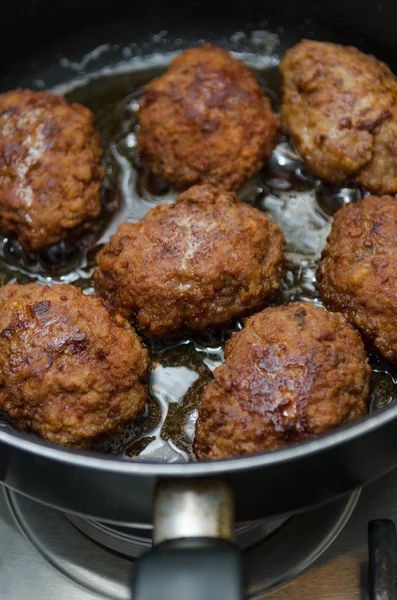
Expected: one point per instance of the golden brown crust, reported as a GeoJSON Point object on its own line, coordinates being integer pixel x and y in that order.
{"type": "Point", "coordinates": [70, 370]}
{"type": "Point", "coordinates": [50, 175]}
{"type": "Point", "coordinates": [206, 120]}
{"type": "Point", "coordinates": [197, 264]}
{"type": "Point", "coordinates": [358, 273]}
{"type": "Point", "coordinates": [293, 372]}
{"type": "Point", "coordinates": [340, 107]}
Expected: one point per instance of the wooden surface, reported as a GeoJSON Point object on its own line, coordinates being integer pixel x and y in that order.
{"type": "Point", "coordinates": [341, 572]}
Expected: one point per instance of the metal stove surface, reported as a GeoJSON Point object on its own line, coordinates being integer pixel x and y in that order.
{"type": "Point", "coordinates": [339, 574]}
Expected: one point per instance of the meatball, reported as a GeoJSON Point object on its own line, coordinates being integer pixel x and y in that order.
{"type": "Point", "coordinates": [70, 370]}
{"type": "Point", "coordinates": [50, 176]}
{"type": "Point", "coordinates": [193, 265]}
{"type": "Point", "coordinates": [293, 372]}
{"type": "Point", "coordinates": [340, 107]}
{"type": "Point", "coordinates": [206, 120]}
{"type": "Point", "coordinates": [358, 273]}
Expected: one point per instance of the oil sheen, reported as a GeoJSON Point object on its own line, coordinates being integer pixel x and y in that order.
{"type": "Point", "coordinates": [301, 204]}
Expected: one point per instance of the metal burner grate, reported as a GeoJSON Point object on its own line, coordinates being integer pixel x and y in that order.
{"type": "Point", "coordinates": [285, 550]}
{"type": "Point", "coordinates": [133, 542]}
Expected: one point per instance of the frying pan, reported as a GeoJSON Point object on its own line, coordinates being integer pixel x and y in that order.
{"type": "Point", "coordinates": [35, 35]}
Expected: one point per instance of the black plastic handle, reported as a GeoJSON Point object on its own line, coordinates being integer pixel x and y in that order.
{"type": "Point", "coordinates": [382, 568]}
{"type": "Point", "coordinates": [190, 569]}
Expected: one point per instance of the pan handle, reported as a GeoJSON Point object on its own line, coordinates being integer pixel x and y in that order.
{"type": "Point", "coordinates": [193, 555]}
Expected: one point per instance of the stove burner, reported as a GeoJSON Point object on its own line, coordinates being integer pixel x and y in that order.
{"type": "Point", "coordinates": [129, 541]}
{"type": "Point", "coordinates": [134, 542]}
{"type": "Point", "coordinates": [274, 551]}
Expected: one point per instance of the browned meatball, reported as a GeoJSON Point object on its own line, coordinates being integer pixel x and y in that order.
{"type": "Point", "coordinates": [194, 265]}
{"type": "Point", "coordinates": [358, 273]}
{"type": "Point", "coordinates": [70, 370]}
{"type": "Point", "coordinates": [293, 372]}
{"type": "Point", "coordinates": [206, 120]}
{"type": "Point", "coordinates": [50, 175]}
{"type": "Point", "coordinates": [340, 106]}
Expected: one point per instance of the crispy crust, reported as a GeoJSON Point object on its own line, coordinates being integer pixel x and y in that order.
{"type": "Point", "coordinates": [197, 264]}
{"type": "Point", "coordinates": [206, 120]}
{"type": "Point", "coordinates": [50, 176]}
{"type": "Point", "coordinates": [70, 370]}
{"type": "Point", "coordinates": [340, 108]}
{"type": "Point", "coordinates": [293, 372]}
{"type": "Point", "coordinates": [358, 273]}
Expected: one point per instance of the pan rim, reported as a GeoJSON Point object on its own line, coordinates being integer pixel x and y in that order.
{"type": "Point", "coordinates": [116, 464]}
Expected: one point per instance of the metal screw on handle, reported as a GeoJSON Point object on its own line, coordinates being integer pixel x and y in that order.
{"type": "Point", "coordinates": [193, 509]}
{"type": "Point", "coordinates": [382, 568]}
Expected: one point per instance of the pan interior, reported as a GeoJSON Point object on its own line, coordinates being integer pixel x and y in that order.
{"type": "Point", "coordinates": [109, 80]}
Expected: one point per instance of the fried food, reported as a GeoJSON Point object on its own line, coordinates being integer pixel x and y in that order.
{"type": "Point", "coordinates": [70, 370]}
{"type": "Point", "coordinates": [340, 107]}
{"type": "Point", "coordinates": [206, 120]}
{"type": "Point", "coordinates": [358, 273]}
{"type": "Point", "coordinates": [50, 176]}
{"type": "Point", "coordinates": [293, 372]}
{"type": "Point", "coordinates": [197, 264]}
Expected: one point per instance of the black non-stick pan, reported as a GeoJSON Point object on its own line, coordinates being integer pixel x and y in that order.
{"type": "Point", "coordinates": [101, 54]}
